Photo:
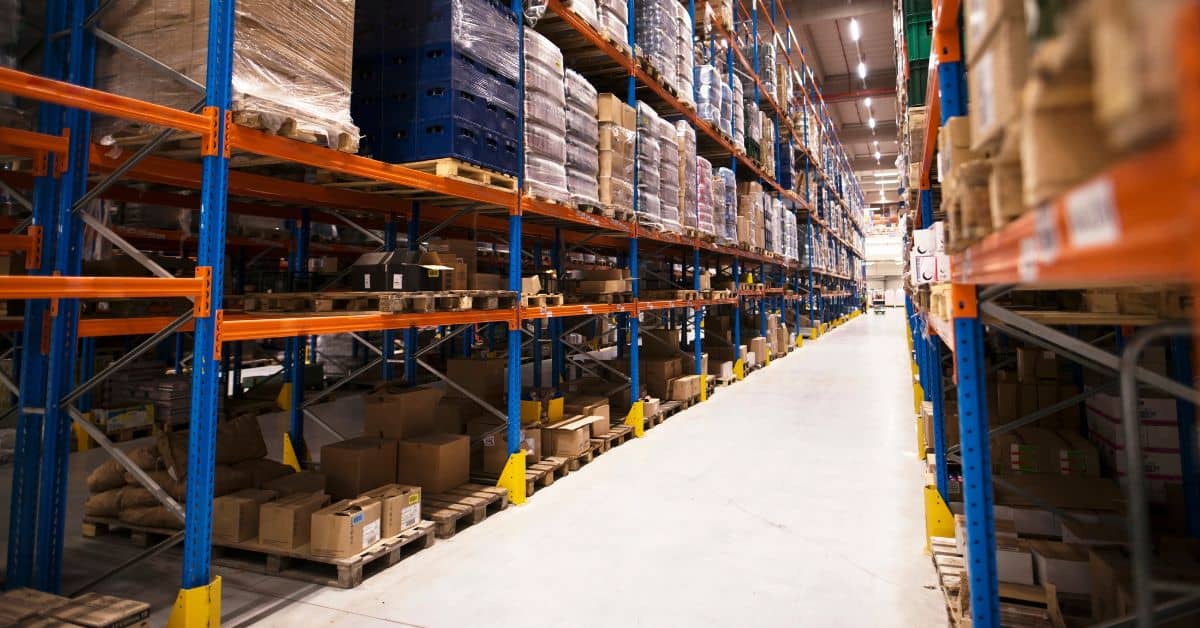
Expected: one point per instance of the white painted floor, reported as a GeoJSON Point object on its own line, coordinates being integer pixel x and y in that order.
{"type": "Point", "coordinates": [790, 499]}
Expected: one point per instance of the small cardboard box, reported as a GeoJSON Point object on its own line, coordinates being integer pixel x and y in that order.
{"type": "Point", "coordinates": [235, 516]}
{"type": "Point", "coordinates": [482, 378]}
{"type": "Point", "coordinates": [998, 70]}
{"type": "Point", "coordinates": [345, 528]}
{"type": "Point", "coordinates": [588, 405]}
{"type": "Point", "coordinates": [18, 605]}
{"type": "Point", "coordinates": [435, 462]}
{"type": "Point", "coordinates": [285, 523]}
{"type": "Point", "coordinates": [401, 414]}
{"type": "Point", "coordinates": [495, 449]}
{"type": "Point", "coordinates": [685, 388]}
{"type": "Point", "coordinates": [293, 483]}
{"type": "Point", "coordinates": [568, 438]}
{"type": "Point", "coordinates": [399, 507]}
{"type": "Point", "coordinates": [758, 346]}
{"type": "Point", "coordinates": [600, 425]}
{"type": "Point", "coordinates": [357, 465]}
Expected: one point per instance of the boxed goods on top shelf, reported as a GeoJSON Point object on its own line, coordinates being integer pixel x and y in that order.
{"type": "Point", "coordinates": [291, 65]}
{"type": "Point", "coordinates": [618, 127]}
{"type": "Point", "coordinates": [437, 79]}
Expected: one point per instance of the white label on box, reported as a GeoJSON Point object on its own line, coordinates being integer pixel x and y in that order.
{"type": "Point", "coordinates": [1092, 218]}
{"type": "Point", "coordinates": [370, 534]}
{"type": "Point", "coordinates": [397, 282]}
{"type": "Point", "coordinates": [367, 280]}
{"type": "Point", "coordinates": [410, 516]}
{"type": "Point", "coordinates": [489, 440]}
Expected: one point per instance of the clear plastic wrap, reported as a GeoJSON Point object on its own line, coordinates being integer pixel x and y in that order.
{"type": "Point", "coordinates": [770, 224]}
{"type": "Point", "coordinates": [708, 94]}
{"type": "Point", "coordinates": [685, 138]}
{"type": "Point", "coordinates": [728, 203]}
{"type": "Point", "coordinates": [542, 52]}
{"type": "Point", "coordinates": [544, 83]}
{"type": "Point", "coordinates": [291, 64]}
{"type": "Point", "coordinates": [657, 34]}
{"type": "Point", "coordinates": [587, 11]}
{"type": "Point", "coordinates": [546, 178]}
{"type": "Point", "coordinates": [669, 183]}
{"type": "Point", "coordinates": [727, 109]}
{"type": "Point", "coordinates": [738, 124]}
{"type": "Point", "coordinates": [583, 186]}
{"type": "Point", "coordinates": [704, 197]}
{"type": "Point", "coordinates": [614, 19]}
{"type": "Point", "coordinates": [766, 56]}
{"type": "Point", "coordinates": [753, 123]}
{"type": "Point", "coordinates": [581, 124]}
{"type": "Point", "coordinates": [648, 160]}
{"type": "Point", "coordinates": [685, 58]}
{"type": "Point", "coordinates": [548, 141]}
{"type": "Point", "coordinates": [580, 93]}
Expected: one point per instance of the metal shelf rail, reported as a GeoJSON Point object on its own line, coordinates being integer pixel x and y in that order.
{"type": "Point", "coordinates": [1133, 223]}
{"type": "Point", "coordinates": [62, 182]}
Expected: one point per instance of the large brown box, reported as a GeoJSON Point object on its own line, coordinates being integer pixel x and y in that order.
{"type": "Point", "coordinates": [401, 414]}
{"type": "Point", "coordinates": [286, 522]}
{"type": "Point", "coordinates": [587, 405]}
{"type": "Point", "coordinates": [235, 516]}
{"type": "Point", "coordinates": [435, 462]}
{"type": "Point", "coordinates": [658, 372]}
{"type": "Point", "coordinates": [346, 528]}
{"type": "Point", "coordinates": [482, 378]}
{"type": "Point", "coordinates": [400, 507]}
{"type": "Point", "coordinates": [567, 438]}
{"type": "Point", "coordinates": [495, 448]}
{"type": "Point", "coordinates": [357, 465]}
{"type": "Point", "coordinates": [997, 68]}
{"type": "Point", "coordinates": [685, 388]}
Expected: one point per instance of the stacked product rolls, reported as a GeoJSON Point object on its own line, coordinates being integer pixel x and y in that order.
{"type": "Point", "coordinates": [685, 135]}
{"type": "Point", "coordinates": [545, 119]}
{"type": "Point", "coordinates": [649, 155]}
{"type": "Point", "coordinates": [583, 137]}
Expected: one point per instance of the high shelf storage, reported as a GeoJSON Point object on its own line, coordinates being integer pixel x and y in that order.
{"type": "Point", "coordinates": [1133, 222]}
{"type": "Point", "coordinates": [227, 168]}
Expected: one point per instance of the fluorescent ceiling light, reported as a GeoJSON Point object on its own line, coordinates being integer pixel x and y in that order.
{"type": "Point", "coordinates": [871, 122]}
{"type": "Point", "coordinates": [867, 102]}
{"type": "Point", "coordinates": [862, 70]}
{"type": "Point", "coordinates": [855, 31]}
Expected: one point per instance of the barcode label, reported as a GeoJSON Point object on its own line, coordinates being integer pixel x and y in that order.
{"type": "Point", "coordinates": [1092, 218]}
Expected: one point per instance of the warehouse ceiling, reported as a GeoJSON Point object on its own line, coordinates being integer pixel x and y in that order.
{"type": "Point", "coordinates": [823, 28]}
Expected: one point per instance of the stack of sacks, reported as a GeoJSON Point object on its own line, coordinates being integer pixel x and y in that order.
{"type": "Point", "coordinates": [685, 135]}
{"type": "Point", "coordinates": [590, 13]}
{"type": "Point", "coordinates": [545, 119]}
{"type": "Point", "coordinates": [649, 209]}
{"type": "Point", "coordinates": [685, 59]}
{"type": "Point", "coordinates": [614, 19]}
{"type": "Point", "coordinates": [727, 219]}
{"type": "Point", "coordinates": [669, 182]}
{"type": "Point", "coordinates": [241, 464]}
{"type": "Point", "coordinates": [704, 204]}
{"type": "Point", "coordinates": [753, 139]}
{"type": "Point", "coordinates": [793, 237]}
{"type": "Point", "coordinates": [738, 123]}
{"type": "Point", "coordinates": [657, 33]}
{"type": "Point", "coordinates": [583, 138]}
{"type": "Point", "coordinates": [727, 107]}
{"type": "Point", "coordinates": [708, 95]}
{"type": "Point", "coordinates": [766, 56]}
{"type": "Point", "coordinates": [770, 225]}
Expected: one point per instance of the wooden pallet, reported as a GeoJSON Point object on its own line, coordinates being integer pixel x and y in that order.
{"type": "Point", "coordinates": [541, 300]}
{"type": "Point", "coordinates": [599, 210]}
{"type": "Point", "coordinates": [617, 435]}
{"type": "Point", "coordinates": [574, 463]}
{"type": "Point", "coordinates": [605, 298]}
{"type": "Point", "coordinates": [537, 475]}
{"type": "Point", "coordinates": [670, 295]}
{"type": "Point", "coordinates": [452, 168]}
{"type": "Point", "coordinates": [346, 573]}
{"type": "Point", "coordinates": [295, 129]}
{"type": "Point", "coordinates": [462, 507]}
{"type": "Point", "coordinates": [141, 536]}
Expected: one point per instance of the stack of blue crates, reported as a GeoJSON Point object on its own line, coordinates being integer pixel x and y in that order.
{"type": "Point", "coordinates": [437, 78]}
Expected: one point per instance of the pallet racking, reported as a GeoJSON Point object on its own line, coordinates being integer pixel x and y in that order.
{"type": "Point", "coordinates": [1133, 223]}
{"type": "Point", "coordinates": [67, 171]}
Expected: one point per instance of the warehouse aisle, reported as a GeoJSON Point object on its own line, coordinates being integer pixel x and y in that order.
{"type": "Point", "coordinates": [792, 499]}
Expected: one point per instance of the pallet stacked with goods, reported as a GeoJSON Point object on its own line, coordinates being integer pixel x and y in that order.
{"type": "Point", "coordinates": [495, 232]}
{"type": "Point", "coordinates": [1054, 296]}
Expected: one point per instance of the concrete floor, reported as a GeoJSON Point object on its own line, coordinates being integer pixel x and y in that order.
{"type": "Point", "coordinates": [791, 499]}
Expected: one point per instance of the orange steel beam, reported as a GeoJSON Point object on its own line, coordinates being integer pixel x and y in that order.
{"type": "Point", "coordinates": [947, 42]}
{"type": "Point", "coordinates": [56, 287]}
{"type": "Point", "coordinates": [47, 90]}
{"type": "Point", "coordinates": [575, 309]}
{"type": "Point", "coordinates": [1125, 226]}
{"type": "Point", "coordinates": [144, 325]}
{"type": "Point", "coordinates": [284, 326]}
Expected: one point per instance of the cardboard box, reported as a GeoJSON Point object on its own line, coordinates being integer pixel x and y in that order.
{"type": "Point", "coordinates": [611, 108]}
{"type": "Point", "coordinates": [482, 378]}
{"type": "Point", "coordinates": [357, 465]}
{"type": "Point", "coordinates": [293, 483]}
{"type": "Point", "coordinates": [399, 507]}
{"type": "Point", "coordinates": [758, 346]}
{"type": "Point", "coordinates": [1007, 402]}
{"type": "Point", "coordinates": [1063, 565]}
{"type": "Point", "coordinates": [587, 405]}
{"type": "Point", "coordinates": [1059, 147]}
{"type": "Point", "coordinates": [685, 388]}
{"type": "Point", "coordinates": [997, 74]}
{"type": "Point", "coordinates": [397, 415]}
{"type": "Point", "coordinates": [495, 448]}
{"type": "Point", "coordinates": [345, 528]}
{"type": "Point", "coordinates": [1014, 563]}
{"type": "Point", "coordinates": [568, 438]}
{"type": "Point", "coordinates": [235, 516]}
{"type": "Point", "coordinates": [489, 281]}
{"type": "Point", "coordinates": [452, 415]}
{"type": "Point", "coordinates": [531, 284]}
{"type": "Point", "coordinates": [286, 522]}
{"type": "Point", "coordinates": [657, 374]}
{"type": "Point", "coordinates": [608, 286]}
{"type": "Point", "coordinates": [1036, 364]}
{"type": "Point", "coordinates": [981, 18]}
{"type": "Point", "coordinates": [96, 611]}
{"type": "Point", "coordinates": [923, 269]}
{"type": "Point", "coordinates": [435, 462]}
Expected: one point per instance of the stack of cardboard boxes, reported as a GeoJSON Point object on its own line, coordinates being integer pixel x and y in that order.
{"type": "Point", "coordinates": [927, 259]}
{"type": "Point", "coordinates": [618, 129]}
